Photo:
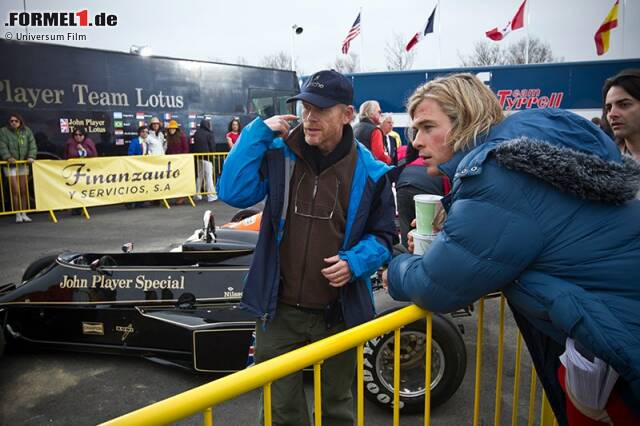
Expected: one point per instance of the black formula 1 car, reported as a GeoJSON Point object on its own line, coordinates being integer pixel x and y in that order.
{"type": "Point", "coordinates": [182, 307]}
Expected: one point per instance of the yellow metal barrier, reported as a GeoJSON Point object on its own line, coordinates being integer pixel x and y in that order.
{"type": "Point", "coordinates": [15, 191]}
{"type": "Point", "coordinates": [203, 398]}
{"type": "Point", "coordinates": [211, 394]}
{"type": "Point", "coordinates": [209, 164]}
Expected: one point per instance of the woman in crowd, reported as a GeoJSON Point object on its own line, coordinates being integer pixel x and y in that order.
{"type": "Point", "coordinates": [176, 140]}
{"type": "Point", "coordinates": [541, 208]}
{"type": "Point", "coordinates": [176, 144]}
{"type": "Point", "coordinates": [17, 143]}
{"type": "Point", "coordinates": [79, 145]}
{"type": "Point", "coordinates": [155, 141]}
{"type": "Point", "coordinates": [233, 132]}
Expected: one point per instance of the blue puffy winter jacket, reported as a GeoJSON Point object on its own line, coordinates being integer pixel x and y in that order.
{"type": "Point", "coordinates": [544, 209]}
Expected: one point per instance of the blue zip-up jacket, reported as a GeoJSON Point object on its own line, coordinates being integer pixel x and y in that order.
{"type": "Point", "coordinates": [260, 165]}
{"type": "Point", "coordinates": [544, 209]}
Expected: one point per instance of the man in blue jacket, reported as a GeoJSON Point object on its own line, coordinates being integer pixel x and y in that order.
{"type": "Point", "coordinates": [326, 227]}
{"type": "Point", "coordinates": [542, 208]}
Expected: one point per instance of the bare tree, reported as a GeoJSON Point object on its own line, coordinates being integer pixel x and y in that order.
{"type": "Point", "coordinates": [488, 53]}
{"type": "Point", "coordinates": [398, 59]}
{"type": "Point", "coordinates": [280, 60]}
{"type": "Point", "coordinates": [346, 64]}
{"type": "Point", "coordinates": [241, 60]}
{"type": "Point", "coordinates": [539, 52]}
{"type": "Point", "coordinates": [484, 53]}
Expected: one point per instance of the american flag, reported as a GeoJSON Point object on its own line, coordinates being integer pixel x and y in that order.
{"type": "Point", "coordinates": [353, 33]}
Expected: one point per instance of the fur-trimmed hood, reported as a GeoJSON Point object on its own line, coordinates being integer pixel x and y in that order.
{"type": "Point", "coordinates": [587, 176]}
{"type": "Point", "coordinates": [558, 147]}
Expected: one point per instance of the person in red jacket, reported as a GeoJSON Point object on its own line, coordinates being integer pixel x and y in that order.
{"type": "Point", "coordinates": [367, 131]}
{"type": "Point", "coordinates": [79, 145]}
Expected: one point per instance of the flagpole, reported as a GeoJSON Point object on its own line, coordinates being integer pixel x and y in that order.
{"type": "Point", "coordinates": [624, 10]}
{"type": "Point", "coordinates": [526, 19]}
{"type": "Point", "coordinates": [361, 41]}
{"type": "Point", "coordinates": [439, 17]}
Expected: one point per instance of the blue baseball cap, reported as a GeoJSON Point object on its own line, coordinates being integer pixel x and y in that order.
{"type": "Point", "coordinates": [325, 89]}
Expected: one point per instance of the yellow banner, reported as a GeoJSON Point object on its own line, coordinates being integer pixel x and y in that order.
{"type": "Point", "coordinates": [61, 184]}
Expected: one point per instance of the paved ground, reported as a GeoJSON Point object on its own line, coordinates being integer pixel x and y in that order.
{"type": "Point", "coordinates": [64, 388]}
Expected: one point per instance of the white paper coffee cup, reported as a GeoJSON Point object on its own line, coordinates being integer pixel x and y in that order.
{"type": "Point", "coordinates": [425, 212]}
{"type": "Point", "coordinates": [421, 243]}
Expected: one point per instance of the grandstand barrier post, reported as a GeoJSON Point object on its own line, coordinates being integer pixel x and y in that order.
{"type": "Point", "coordinates": [266, 408]}
{"type": "Point", "coordinates": [207, 417]}
{"type": "Point", "coordinates": [516, 381]}
{"type": "Point", "coordinates": [498, 400]}
{"type": "Point", "coordinates": [396, 377]}
{"type": "Point", "coordinates": [360, 385]}
{"type": "Point", "coordinates": [2, 189]}
{"type": "Point", "coordinates": [317, 393]}
{"type": "Point", "coordinates": [546, 413]}
{"type": "Point", "coordinates": [427, 379]}
{"type": "Point", "coordinates": [532, 397]}
{"type": "Point", "coordinates": [476, 392]}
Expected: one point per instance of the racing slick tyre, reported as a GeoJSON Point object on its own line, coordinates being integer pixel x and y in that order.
{"type": "Point", "coordinates": [448, 365]}
{"type": "Point", "coordinates": [35, 267]}
{"type": "Point", "coordinates": [243, 214]}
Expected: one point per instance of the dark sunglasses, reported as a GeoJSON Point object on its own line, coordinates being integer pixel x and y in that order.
{"type": "Point", "coordinates": [13, 120]}
{"type": "Point", "coordinates": [78, 134]}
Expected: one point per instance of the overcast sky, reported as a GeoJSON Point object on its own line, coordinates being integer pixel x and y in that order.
{"type": "Point", "coordinates": [228, 30]}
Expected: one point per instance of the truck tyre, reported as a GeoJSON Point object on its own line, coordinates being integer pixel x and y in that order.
{"type": "Point", "coordinates": [37, 266]}
{"type": "Point", "coordinates": [448, 365]}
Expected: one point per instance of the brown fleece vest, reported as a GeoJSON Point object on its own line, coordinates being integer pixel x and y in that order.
{"type": "Point", "coordinates": [312, 232]}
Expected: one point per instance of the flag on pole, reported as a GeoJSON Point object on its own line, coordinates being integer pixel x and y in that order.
{"type": "Point", "coordinates": [353, 33]}
{"type": "Point", "coordinates": [428, 28]}
{"type": "Point", "coordinates": [515, 23]}
{"type": "Point", "coordinates": [602, 35]}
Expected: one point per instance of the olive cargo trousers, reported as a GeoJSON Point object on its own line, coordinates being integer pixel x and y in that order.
{"type": "Point", "coordinates": [292, 328]}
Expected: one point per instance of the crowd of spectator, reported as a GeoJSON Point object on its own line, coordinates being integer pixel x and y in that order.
{"type": "Point", "coordinates": [17, 143]}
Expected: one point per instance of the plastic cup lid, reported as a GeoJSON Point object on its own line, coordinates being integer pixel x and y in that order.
{"type": "Point", "coordinates": [427, 198]}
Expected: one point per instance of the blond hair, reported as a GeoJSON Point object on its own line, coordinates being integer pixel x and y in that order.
{"type": "Point", "coordinates": [470, 105]}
